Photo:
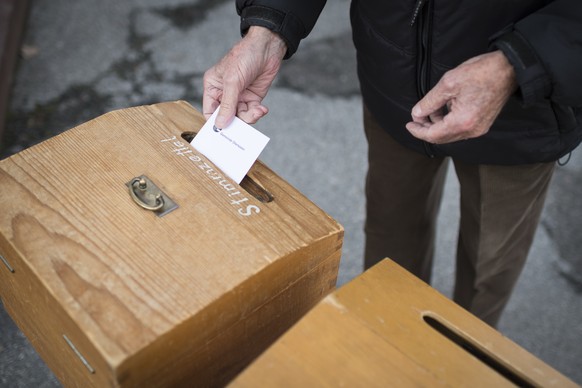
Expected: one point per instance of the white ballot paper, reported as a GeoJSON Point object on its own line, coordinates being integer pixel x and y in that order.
{"type": "Point", "coordinates": [233, 149]}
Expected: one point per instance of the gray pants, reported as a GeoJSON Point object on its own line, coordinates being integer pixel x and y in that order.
{"type": "Point", "coordinates": [500, 211]}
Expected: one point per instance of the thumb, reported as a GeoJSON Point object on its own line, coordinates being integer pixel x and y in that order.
{"type": "Point", "coordinates": [225, 115]}
{"type": "Point", "coordinates": [431, 103]}
{"type": "Point", "coordinates": [228, 105]}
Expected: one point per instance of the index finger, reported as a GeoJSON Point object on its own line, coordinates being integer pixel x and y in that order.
{"type": "Point", "coordinates": [443, 131]}
{"type": "Point", "coordinates": [431, 103]}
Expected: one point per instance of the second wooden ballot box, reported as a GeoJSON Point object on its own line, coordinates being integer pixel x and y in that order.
{"type": "Point", "coordinates": [128, 259]}
{"type": "Point", "coordinates": [387, 328]}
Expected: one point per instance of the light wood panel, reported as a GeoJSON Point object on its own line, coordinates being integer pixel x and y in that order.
{"type": "Point", "coordinates": [192, 296]}
{"type": "Point", "coordinates": [373, 332]}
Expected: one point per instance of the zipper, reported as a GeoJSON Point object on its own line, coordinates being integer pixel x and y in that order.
{"type": "Point", "coordinates": [417, 8]}
{"type": "Point", "coordinates": [422, 17]}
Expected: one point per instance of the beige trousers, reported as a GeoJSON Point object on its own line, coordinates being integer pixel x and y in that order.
{"type": "Point", "coordinates": [500, 210]}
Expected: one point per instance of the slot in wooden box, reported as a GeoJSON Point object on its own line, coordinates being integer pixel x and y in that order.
{"type": "Point", "coordinates": [387, 328]}
{"type": "Point", "coordinates": [113, 294]}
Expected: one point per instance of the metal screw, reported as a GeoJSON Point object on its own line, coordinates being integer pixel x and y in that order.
{"type": "Point", "coordinates": [7, 264]}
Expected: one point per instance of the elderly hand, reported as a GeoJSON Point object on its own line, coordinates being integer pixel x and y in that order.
{"type": "Point", "coordinates": [240, 80]}
{"type": "Point", "coordinates": [473, 93]}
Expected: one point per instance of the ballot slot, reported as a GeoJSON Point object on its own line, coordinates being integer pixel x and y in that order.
{"type": "Point", "coordinates": [475, 350]}
{"type": "Point", "coordinates": [250, 185]}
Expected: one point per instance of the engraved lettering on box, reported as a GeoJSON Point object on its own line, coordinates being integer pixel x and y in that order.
{"type": "Point", "coordinates": [148, 196]}
{"type": "Point", "coordinates": [237, 198]}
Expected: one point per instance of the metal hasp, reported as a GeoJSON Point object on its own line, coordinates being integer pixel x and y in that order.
{"type": "Point", "coordinates": [148, 196]}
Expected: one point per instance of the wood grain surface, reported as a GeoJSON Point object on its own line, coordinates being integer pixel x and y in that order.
{"type": "Point", "coordinates": [196, 293]}
{"type": "Point", "coordinates": [373, 332]}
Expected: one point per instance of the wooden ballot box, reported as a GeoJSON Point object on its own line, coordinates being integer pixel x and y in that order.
{"type": "Point", "coordinates": [128, 259]}
{"type": "Point", "coordinates": [386, 328]}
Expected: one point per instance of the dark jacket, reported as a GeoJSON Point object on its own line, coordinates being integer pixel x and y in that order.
{"type": "Point", "coordinates": [405, 46]}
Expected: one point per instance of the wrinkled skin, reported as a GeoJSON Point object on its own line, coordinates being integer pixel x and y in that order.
{"type": "Point", "coordinates": [239, 82]}
{"type": "Point", "coordinates": [473, 93]}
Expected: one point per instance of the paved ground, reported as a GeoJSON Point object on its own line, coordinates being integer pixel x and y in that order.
{"type": "Point", "coordinates": [84, 58]}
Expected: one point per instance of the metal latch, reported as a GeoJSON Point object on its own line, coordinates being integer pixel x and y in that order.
{"type": "Point", "coordinates": [147, 195]}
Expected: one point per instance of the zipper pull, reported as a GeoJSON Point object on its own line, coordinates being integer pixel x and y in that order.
{"type": "Point", "coordinates": [417, 8]}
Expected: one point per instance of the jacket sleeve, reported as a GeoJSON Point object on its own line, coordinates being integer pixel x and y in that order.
{"type": "Point", "coordinates": [293, 20]}
{"type": "Point", "coordinates": [545, 48]}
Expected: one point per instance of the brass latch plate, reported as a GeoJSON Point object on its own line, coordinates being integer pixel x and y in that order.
{"type": "Point", "coordinates": [147, 195]}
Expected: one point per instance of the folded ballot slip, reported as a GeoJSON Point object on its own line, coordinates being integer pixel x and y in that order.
{"type": "Point", "coordinates": [233, 149]}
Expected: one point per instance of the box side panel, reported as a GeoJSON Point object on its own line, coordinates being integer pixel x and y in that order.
{"type": "Point", "coordinates": [206, 352]}
{"type": "Point", "coordinates": [48, 327]}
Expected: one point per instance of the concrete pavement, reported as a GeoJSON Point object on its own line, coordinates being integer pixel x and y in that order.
{"type": "Point", "coordinates": [85, 58]}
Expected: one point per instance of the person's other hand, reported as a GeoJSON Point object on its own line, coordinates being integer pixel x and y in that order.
{"type": "Point", "coordinates": [466, 100]}
{"type": "Point", "coordinates": [240, 80]}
